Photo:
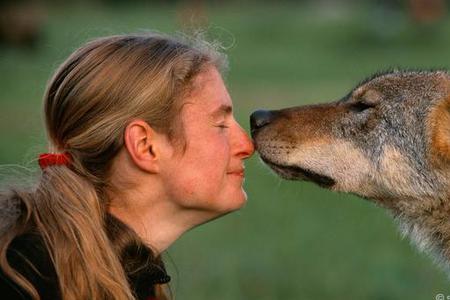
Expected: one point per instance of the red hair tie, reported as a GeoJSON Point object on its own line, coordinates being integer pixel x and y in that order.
{"type": "Point", "coordinates": [50, 159]}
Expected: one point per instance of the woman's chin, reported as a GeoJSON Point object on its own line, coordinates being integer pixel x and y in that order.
{"type": "Point", "coordinates": [238, 201]}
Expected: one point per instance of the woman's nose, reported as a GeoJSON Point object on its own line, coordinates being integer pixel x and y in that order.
{"type": "Point", "coordinates": [250, 146]}
{"type": "Point", "coordinates": [246, 147]}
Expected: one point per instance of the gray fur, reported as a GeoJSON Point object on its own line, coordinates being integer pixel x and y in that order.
{"type": "Point", "coordinates": [376, 143]}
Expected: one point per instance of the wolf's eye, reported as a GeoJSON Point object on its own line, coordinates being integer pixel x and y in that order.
{"type": "Point", "coordinates": [361, 106]}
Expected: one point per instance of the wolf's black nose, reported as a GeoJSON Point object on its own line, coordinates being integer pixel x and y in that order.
{"type": "Point", "coordinates": [260, 118]}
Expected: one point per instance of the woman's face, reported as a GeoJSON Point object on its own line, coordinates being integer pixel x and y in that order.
{"type": "Point", "coordinates": [209, 174]}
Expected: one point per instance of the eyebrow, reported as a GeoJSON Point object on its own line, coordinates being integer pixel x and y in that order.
{"type": "Point", "coordinates": [222, 110]}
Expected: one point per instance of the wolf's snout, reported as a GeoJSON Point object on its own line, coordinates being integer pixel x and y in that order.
{"type": "Point", "coordinates": [259, 119]}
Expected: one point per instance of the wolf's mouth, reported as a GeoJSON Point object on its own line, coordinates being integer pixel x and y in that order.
{"type": "Point", "coordinates": [298, 173]}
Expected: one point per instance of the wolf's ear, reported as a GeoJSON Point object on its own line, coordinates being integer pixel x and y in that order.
{"type": "Point", "coordinates": [439, 124]}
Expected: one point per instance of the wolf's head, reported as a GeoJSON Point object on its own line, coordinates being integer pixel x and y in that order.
{"type": "Point", "coordinates": [388, 139]}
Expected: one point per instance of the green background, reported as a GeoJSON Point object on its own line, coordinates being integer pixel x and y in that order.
{"type": "Point", "coordinates": [293, 240]}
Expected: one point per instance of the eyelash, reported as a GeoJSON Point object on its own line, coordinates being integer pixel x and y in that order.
{"type": "Point", "coordinates": [223, 126]}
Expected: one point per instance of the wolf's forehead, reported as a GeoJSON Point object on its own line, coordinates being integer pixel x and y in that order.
{"type": "Point", "coordinates": [389, 82]}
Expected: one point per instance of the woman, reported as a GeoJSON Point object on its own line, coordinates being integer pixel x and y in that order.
{"type": "Point", "coordinates": [143, 147]}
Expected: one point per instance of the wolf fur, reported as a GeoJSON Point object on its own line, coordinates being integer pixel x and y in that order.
{"type": "Point", "coordinates": [388, 141]}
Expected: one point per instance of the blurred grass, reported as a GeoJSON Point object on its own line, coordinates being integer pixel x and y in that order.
{"type": "Point", "coordinates": [293, 240]}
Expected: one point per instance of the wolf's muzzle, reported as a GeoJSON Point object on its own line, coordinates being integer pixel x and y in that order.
{"type": "Point", "coordinates": [259, 119]}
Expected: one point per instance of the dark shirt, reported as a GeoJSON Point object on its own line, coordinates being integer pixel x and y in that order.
{"type": "Point", "coordinates": [43, 275]}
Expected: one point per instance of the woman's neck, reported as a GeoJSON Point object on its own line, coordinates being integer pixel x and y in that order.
{"type": "Point", "coordinates": [156, 221]}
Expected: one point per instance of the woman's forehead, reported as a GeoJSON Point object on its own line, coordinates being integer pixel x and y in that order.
{"type": "Point", "coordinates": [210, 95]}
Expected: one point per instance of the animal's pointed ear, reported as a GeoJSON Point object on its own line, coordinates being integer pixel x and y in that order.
{"type": "Point", "coordinates": [439, 124]}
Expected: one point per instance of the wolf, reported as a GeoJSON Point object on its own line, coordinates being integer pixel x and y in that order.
{"type": "Point", "coordinates": [387, 141]}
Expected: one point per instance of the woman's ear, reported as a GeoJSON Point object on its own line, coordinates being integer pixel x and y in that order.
{"type": "Point", "coordinates": [439, 125]}
{"type": "Point", "coordinates": [141, 142]}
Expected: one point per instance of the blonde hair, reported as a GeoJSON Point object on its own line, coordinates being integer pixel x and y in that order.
{"type": "Point", "coordinates": [89, 101]}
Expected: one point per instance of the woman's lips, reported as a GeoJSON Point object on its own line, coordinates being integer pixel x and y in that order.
{"type": "Point", "coordinates": [240, 172]}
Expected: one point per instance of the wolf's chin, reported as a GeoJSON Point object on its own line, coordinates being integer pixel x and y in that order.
{"type": "Point", "coordinates": [298, 173]}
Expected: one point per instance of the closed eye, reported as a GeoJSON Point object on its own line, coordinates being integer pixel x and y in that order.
{"type": "Point", "coordinates": [222, 126]}
{"type": "Point", "coordinates": [361, 106]}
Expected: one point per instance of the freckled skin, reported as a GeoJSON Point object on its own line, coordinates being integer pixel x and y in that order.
{"type": "Point", "coordinates": [208, 175]}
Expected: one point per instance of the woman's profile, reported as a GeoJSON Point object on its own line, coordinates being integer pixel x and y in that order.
{"type": "Point", "coordinates": [143, 146]}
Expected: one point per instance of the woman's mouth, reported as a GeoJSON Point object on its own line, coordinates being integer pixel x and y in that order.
{"type": "Point", "coordinates": [239, 172]}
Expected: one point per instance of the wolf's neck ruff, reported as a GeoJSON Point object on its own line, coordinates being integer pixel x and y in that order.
{"type": "Point", "coordinates": [428, 226]}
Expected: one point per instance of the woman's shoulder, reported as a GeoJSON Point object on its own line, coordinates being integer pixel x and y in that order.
{"type": "Point", "coordinates": [29, 256]}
